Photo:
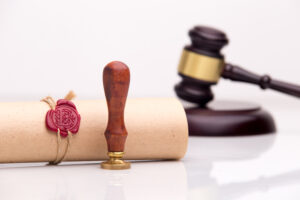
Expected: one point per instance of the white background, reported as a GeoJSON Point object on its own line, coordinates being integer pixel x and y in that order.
{"type": "Point", "coordinates": [50, 47]}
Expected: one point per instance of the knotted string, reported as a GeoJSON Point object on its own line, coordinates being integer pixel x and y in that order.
{"type": "Point", "coordinates": [50, 101]}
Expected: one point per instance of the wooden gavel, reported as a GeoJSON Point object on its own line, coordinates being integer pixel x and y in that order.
{"type": "Point", "coordinates": [202, 65]}
{"type": "Point", "coordinates": [116, 78]}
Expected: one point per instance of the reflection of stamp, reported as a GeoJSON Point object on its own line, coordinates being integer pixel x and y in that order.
{"type": "Point", "coordinates": [64, 117]}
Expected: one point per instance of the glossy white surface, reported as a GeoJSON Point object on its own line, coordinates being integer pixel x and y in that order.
{"type": "Point", "coordinates": [242, 168]}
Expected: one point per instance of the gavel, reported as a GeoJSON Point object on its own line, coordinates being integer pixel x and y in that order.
{"type": "Point", "coordinates": [202, 65]}
{"type": "Point", "coordinates": [116, 79]}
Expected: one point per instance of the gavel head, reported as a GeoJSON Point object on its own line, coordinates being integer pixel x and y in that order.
{"type": "Point", "coordinates": [201, 65]}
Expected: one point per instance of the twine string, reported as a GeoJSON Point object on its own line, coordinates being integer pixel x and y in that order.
{"type": "Point", "coordinates": [69, 137]}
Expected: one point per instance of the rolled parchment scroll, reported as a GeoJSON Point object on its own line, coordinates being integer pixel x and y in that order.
{"type": "Point", "coordinates": [157, 129]}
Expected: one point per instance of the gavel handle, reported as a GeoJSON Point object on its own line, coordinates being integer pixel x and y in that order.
{"type": "Point", "coordinates": [236, 73]}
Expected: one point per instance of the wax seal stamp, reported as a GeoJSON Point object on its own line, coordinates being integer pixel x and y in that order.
{"type": "Point", "coordinates": [116, 78]}
{"type": "Point", "coordinates": [64, 117]}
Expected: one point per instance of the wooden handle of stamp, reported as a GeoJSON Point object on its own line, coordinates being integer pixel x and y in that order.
{"type": "Point", "coordinates": [116, 78]}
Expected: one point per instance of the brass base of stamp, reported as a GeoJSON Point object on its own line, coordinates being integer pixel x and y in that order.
{"type": "Point", "coordinates": [115, 161]}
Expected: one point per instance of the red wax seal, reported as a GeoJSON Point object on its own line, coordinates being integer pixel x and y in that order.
{"type": "Point", "coordinates": [65, 118]}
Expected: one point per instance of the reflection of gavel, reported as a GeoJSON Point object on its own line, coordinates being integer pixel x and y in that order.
{"type": "Point", "coordinates": [116, 78]}
{"type": "Point", "coordinates": [202, 64]}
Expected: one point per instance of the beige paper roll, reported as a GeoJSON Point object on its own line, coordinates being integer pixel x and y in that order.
{"type": "Point", "coordinates": [157, 129]}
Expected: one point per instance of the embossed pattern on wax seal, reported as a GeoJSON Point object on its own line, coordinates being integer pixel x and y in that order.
{"type": "Point", "coordinates": [64, 117]}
